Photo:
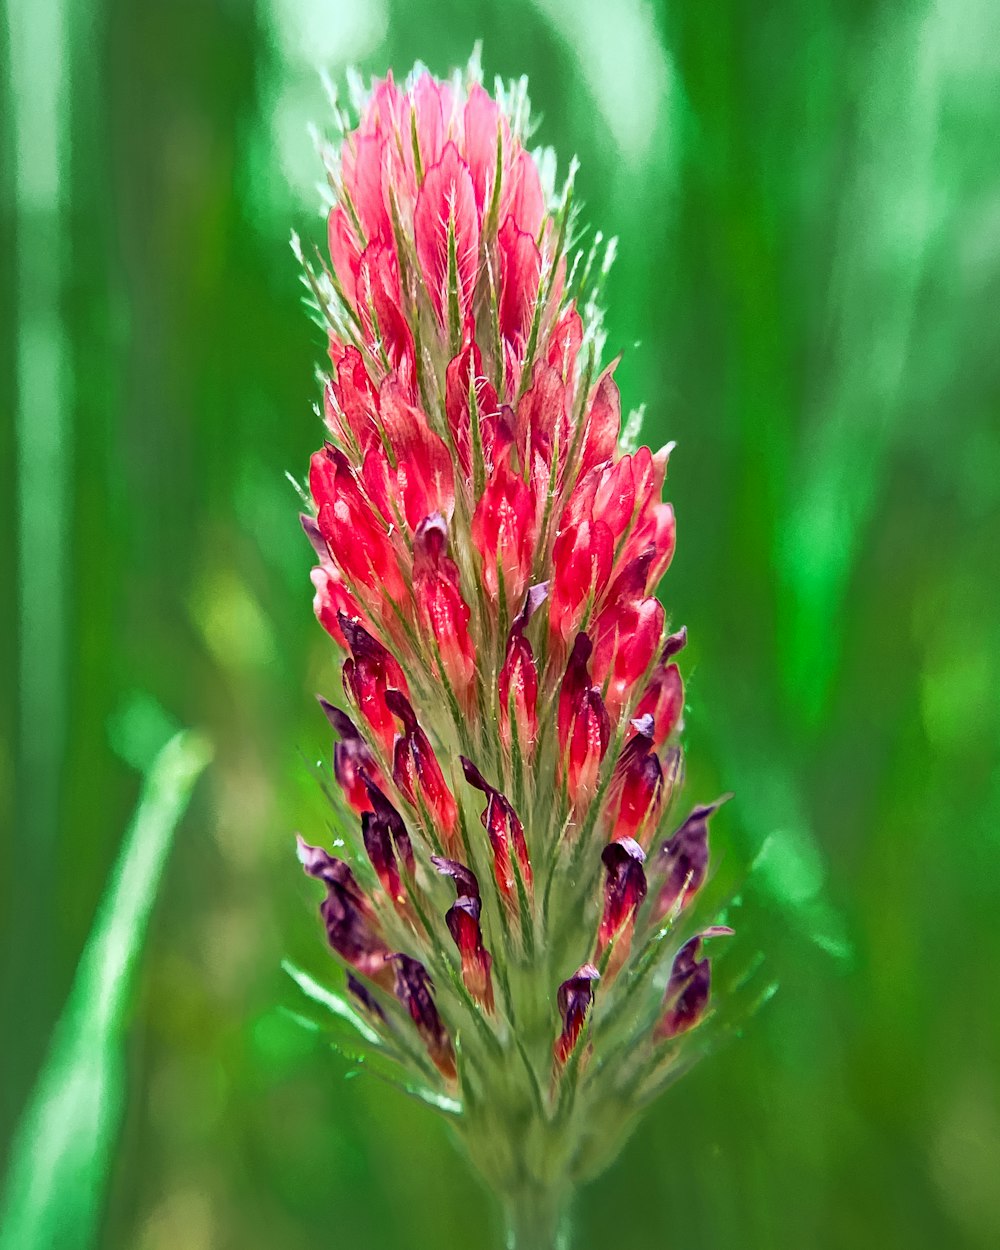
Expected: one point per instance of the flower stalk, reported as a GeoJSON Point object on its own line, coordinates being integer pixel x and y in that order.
{"type": "Point", "coordinates": [517, 912]}
{"type": "Point", "coordinates": [537, 1218]}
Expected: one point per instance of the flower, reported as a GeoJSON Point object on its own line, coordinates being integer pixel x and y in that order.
{"type": "Point", "coordinates": [488, 561]}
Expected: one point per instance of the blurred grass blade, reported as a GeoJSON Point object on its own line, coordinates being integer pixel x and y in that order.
{"type": "Point", "coordinates": [891, 217]}
{"type": "Point", "coordinates": [63, 1149]}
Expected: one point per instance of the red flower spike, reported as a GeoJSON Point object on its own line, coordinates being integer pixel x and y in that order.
{"type": "Point", "coordinates": [504, 530]}
{"type": "Point", "coordinates": [438, 500]}
{"type": "Point", "coordinates": [584, 726]}
{"type": "Point", "coordinates": [581, 563]}
{"type": "Point", "coordinates": [624, 892]}
{"type": "Point", "coordinates": [415, 768]}
{"type": "Point", "coordinates": [683, 859]}
{"type": "Point", "coordinates": [369, 673]}
{"type": "Point", "coordinates": [446, 209]}
{"type": "Point", "coordinates": [351, 928]}
{"type": "Point", "coordinates": [506, 834]}
{"type": "Point", "coordinates": [688, 989]}
{"type": "Point", "coordinates": [413, 989]}
{"type": "Point", "coordinates": [353, 763]}
{"type": "Point", "coordinates": [574, 999]}
{"type": "Point", "coordinates": [663, 698]}
{"type": "Point", "coordinates": [444, 612]}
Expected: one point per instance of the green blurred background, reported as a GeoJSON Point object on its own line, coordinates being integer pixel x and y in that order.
{"type": "Point", "coordinates": [807, 197]}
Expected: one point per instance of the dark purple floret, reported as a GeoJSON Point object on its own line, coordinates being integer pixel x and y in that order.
{"type": "Point", "coordinates": [624, 887]}
{"type": "Point", "coordinates": [683, 859]}
{"type": "Point", "coordinates": [413, 989]}
{"type": "Point", "coordinates": [574, 999]}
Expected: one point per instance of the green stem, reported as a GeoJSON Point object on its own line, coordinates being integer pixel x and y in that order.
{"type": "Point", "coordinates": [537, 1219]}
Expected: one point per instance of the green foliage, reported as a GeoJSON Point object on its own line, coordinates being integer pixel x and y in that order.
{"type": "Point", "coordinates": [63, 1150]}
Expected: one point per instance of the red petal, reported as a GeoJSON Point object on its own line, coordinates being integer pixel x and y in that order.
{"type": "Point", "coordinates": [447, 198]}
{"type": "Point", "coordinates": [520, 265]}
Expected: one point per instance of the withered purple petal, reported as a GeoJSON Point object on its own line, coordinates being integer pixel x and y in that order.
{"type": "Point", "coordinates": [365, 997]}
{"type": "Point", "coordinates": [316, 539]}
{"type": "Point", "coordinates": [414, 988]}
{"type": "Point", "coordinates": [673, 644]}
{"type": "Point", "coordinates": [574, 998]}
{"type": "Point", "coordinates": [683, 858]}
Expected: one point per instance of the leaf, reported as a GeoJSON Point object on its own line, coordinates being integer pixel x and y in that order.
{"type": "Point", "coordinates": [62, 1151]}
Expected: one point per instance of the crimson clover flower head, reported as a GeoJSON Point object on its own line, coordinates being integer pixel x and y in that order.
{"type": "Point", "coordinates": [488, 558]}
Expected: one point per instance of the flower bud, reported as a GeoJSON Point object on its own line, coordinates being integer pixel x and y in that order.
{"type": "Point", "coordinates": [353, 763]}
{"type": "Point", "coordinates": [624, 892]}
{"type": "Point", "coordinates": [351, 927]}
{"type": "Point", "coordinates": [574, 999]}
{"type": "Point", "coordinates": [518, 680]}
{"type": "Point", "coordinates": [413, 989]}
{"type": "Point", "coordinates": [584, 726]}
{"type": "Point", "coordinates": [506, 836]}
{"type": "Point", "coordinates": [369, 673]}
{"type": "Point", "coordinates": [417, 772]}
{"type": "Point", "coordinates": [688, 989]}
{"type": "Point", "coordinates": [443, 611]}
{"type": "Point", "coordinates": [385, 836]}
{"type": "Point", "coordinates": [637, 786]}
{"type": "Point", "coordinates": [663, 698]}
{"type": "Point", "coordinates": [682, 861]}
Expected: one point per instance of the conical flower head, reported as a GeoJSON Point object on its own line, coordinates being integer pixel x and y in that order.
{"type": "Point", "coordinates": [513, 916]}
